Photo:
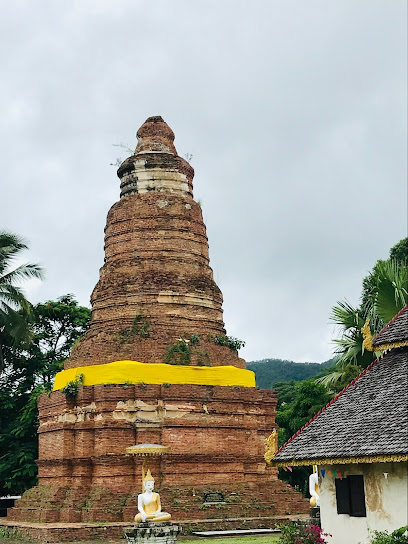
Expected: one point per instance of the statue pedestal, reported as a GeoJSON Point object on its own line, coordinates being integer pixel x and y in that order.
{"type": "Point", "coordinates": [153, 532]}
{"type": "Point", "coordinates": [315, 515]}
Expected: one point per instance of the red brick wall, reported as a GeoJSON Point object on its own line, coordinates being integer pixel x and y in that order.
{"type": "Point", "coordinates": [83, 467]}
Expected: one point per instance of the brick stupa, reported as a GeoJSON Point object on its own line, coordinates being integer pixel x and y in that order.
{"type": "Point", "coordinates": [156, 277]}
{"type": "Point", "coordinates": [156, 302]}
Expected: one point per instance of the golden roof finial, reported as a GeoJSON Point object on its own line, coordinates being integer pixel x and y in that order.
{"type": "Point", "coordinates": [367, 338]}
{"type": "Point", "coordinates": [271, 446]}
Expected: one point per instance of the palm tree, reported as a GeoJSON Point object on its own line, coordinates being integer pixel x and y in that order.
{"type": "Point", "coordinates": [384, 295]}
{"type": "Point", "coordinates": [14, 307]}
{"type": "Point", "coordinates": [388, 292]}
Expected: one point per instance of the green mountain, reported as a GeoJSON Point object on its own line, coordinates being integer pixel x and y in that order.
{"type": "Point", "coordinates": [268, 372]}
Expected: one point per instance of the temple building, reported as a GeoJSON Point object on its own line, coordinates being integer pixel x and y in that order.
{"type": "Point", "coordinates": [359, 443]}
{"type": "Point", "coordinates": [156, 366]}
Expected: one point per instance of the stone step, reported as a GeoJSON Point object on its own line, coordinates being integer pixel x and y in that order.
{"type": "Point", "coordinates": [236, 532]}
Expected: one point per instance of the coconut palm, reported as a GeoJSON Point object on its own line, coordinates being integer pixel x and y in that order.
{"type": "Point", "coordinates": [352, 357]}
{"type": "Point", "coordinates": [384, 295]}
{"type": "Point", "coordinates": [388, 291]}
{"type": "Point", "coordinates": [14, 307]}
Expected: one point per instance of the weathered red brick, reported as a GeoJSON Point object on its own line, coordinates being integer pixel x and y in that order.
{"type": "Point", "coordinates": [156, 266]}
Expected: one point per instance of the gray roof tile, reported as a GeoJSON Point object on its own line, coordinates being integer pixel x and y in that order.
{"type": "Point", "coordinates": [368, 418]}
{"type": "Point", "coordinates": [395, 331]}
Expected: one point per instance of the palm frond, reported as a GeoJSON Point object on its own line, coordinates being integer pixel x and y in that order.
{"type": "Point", "coordinates": [12, 294]}
{"type": "Point", "coordinates": [14, 307]}
{"type": "Point", "coordinates": [351, 355]}
{"type": "Point", "coordinates": [330, 379]}
{"type": "Point", "coordinates": [10, 246]}
{"type": "Point", "coordinates": [345, 315]}
{"type": "Point", "coordinates": [392, 294]}
{"type": "Point", "coordinates": [23, 272]}
{"type": "Point", "coordinates": [19, 327]}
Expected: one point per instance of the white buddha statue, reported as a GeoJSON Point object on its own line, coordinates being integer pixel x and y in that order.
{"type": "Point", "coordinates": [314, 488]}
{"type": "Point", "coordinates": [148, 503]}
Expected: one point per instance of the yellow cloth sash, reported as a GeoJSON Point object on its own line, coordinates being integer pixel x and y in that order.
{"type": "Point", "coordinates": [158, 373]}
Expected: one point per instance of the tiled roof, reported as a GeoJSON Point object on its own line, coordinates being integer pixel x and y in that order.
{"type": "Point", "coordinates": [395, 331]}
{"type": "Point", "coordinates": [368, 418]}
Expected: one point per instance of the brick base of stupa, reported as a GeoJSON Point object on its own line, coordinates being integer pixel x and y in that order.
{"type": "Point", "coordinates": [215, 437]}
{"type": "Point", "coordinates": [114, 531]}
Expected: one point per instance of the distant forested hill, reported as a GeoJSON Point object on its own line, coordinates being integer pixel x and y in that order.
{"type": "Point", "coordinates": [270, 371]}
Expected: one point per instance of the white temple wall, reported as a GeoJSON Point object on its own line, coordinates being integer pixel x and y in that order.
{"type": "Point", "coordinates": [385, 499]}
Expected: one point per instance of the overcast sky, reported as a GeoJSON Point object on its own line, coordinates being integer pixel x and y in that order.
{"type": "Point", "coordinates": [294, 112]}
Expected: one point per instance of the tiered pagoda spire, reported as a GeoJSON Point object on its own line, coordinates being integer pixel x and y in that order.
{"type": "Point", "coordinates": [156, 285]}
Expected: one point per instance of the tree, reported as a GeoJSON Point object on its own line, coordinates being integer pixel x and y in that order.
{"type": "Point", "coordinates": [384, 294]}
{"type": "Point", "coordinates": [54, 326]}
{"type": "Point", "coordinates": [385, 290]}
{"type": "Point", "coordinates": [269, 372]}
{"type": "Point", "coordinates": [399, 252]}
{"type": "Point", "coordinates": [14, 307]}
{"type": "Point", "coordinates": [57, 326]}
{"type": "Point", "coordinates": [307, 398]}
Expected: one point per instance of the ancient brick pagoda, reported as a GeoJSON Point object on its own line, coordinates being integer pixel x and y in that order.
{"type": "Point", "coordinates": [156, 302]}
{"type": "Point", "coordinates": [156, 265]}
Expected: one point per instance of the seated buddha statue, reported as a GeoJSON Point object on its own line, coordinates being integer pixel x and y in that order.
{"type": "Point", "coordinates": [148, 503]}
{"type": "Point", "coordinates": [314, 489]}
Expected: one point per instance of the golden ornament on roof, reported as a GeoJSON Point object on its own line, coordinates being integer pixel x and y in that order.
{"type": "Point", "coordinates": [367, 338]}
{"type": "Point", "coordinates": [271, 446]}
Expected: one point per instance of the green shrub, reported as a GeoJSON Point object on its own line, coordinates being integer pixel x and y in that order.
{"type": "Point", "coordinates": [204, 506]}
{"type": "Point", "coordinates": [399, 536]}
{"type": "Point", "coordinates": [140, 327]}
{"type": "Point", "coordinates": [85, 504]}
{"type": "Point", "coordinates": [72, 387]}
{"type": "Point", "coordinates": [234, 344]}
{"type": "Point", "coordinates": [10, 533]}
{"type": "Point", "coordinates": [203, 358]}
{"type": "Point", "coordinates": [294, 533]}
{"type": "Point", "coordinates": [178, 354]}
